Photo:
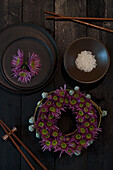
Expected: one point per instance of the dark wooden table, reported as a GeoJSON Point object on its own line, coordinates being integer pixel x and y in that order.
{"type": "Point", "coordinates": [16, 109]}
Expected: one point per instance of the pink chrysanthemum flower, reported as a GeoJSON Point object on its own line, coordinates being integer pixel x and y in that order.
{"type": "Point", "coordinates": [17, 59]}
{"type": "Point", "coordinates": [15, 73]}
{"type": "Point", "coordinates": [34, 64]}
{"type": "Point", "coordinates": [23, 70]}
{"type": "Point", "coordinates": [24, 76]}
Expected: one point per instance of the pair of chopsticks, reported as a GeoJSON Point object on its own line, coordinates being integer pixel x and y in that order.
{"type": "Point", "coordinates": [78, 20]}
{"type": "Point", "coordinates": [8, 132]}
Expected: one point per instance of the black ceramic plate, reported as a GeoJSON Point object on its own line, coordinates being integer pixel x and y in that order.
{"type": "Point", "coordinates": [97, 49]}
{"type": "Point", "coordinates": [29, 45]}
{"type": "Point", "coordinates": [36, 39]}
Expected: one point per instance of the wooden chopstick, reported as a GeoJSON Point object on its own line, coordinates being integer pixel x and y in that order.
{"type": "Point", "coordinates": [17, 147]}
{"type": "Point", "coordinates": [80, 18]}
{"type": "Point", "coordinates": [81, 22]}
{"type": "Point", "coordinates": [35, 158]}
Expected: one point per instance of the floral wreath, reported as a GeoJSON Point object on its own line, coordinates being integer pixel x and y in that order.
{"type": "Point", "coordinates": [85, 111]}
{"type": "Point", "coordinates": [24, 68]}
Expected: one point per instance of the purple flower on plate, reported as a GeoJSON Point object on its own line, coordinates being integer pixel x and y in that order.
{"type": "Point", "coordinates": [24, 76]}
{"type": "Point", "coordinates": [16, 72]}
{"type": "Point", "coordinates": [34, 64]}
{"type": "Point", "coordinates": [22, 69]}
{"type": "Point", "coordinates": [17, 60]}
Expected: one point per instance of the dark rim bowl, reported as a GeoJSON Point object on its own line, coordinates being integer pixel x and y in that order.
{"type": "Point", "coordinates": [97, 49]}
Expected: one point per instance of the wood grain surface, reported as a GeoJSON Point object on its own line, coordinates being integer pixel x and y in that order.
{"type": "Point", "coordinates": [16, 109]}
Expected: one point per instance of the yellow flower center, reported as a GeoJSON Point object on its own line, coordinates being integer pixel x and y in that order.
{"type": "Point", "coordinates": [32, 64]}
{"type": "Point", "coordinates": [17, 61]}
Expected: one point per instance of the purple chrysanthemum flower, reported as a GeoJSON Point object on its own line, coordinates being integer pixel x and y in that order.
{"type": "Point", "coordinates": [34, 64]}
{"type": "Point", "coordinates": [24, 76]}
{"type": "Point", "coordinates": [17, 60]}
{"type": "Point", "coordinates": [16, 72]}
{"type": "Point", "coordinates": [24, 70]}
{"type": "Point", "coordinates": [46, 145]}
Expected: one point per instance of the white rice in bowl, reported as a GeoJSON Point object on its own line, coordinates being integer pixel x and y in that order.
{"type": "Point", "coordinates": [86, 61]}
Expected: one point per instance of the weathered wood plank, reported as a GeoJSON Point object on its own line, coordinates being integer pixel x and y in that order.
{"type": "Point", "coordinates": [29, 103]}
{"type": "Point", "coordinates": [10, 112]}
{"type": "Point", "coordinates": [95, 9]}
{"type": "Point", "coordinates": [2, 13]}
{"type": "Point", "coordinates": [108, 125]}
{"type": "Point", "coordinates": [100, 153]}
{"type": "Point", "coordinates": [10, 104]}
{"type": "Point", "coordinates": [65, 33]}
{"type": "Point", "coordinates": [33, 12]}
